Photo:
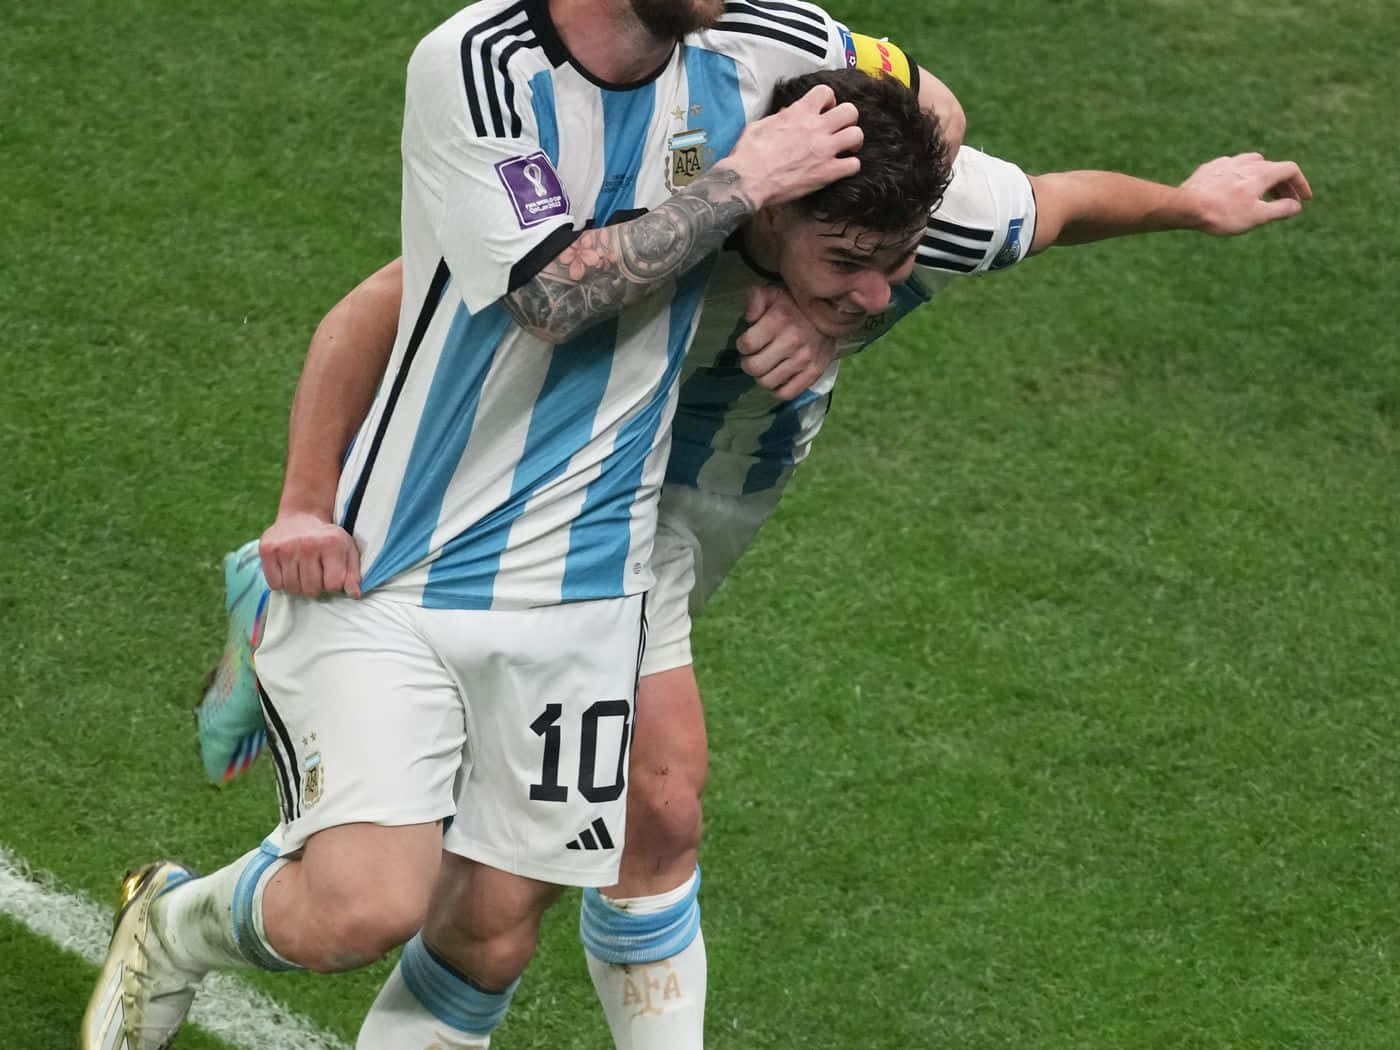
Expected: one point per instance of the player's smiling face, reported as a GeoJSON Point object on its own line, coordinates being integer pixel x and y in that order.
{"type": "Point", "coordinates": [841, 275]}
{"type": "Point", "coordinates": [673, 19]}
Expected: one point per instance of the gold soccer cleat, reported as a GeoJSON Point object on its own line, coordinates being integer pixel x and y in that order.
{"type": "Point", "coordinates": [140, 1000]}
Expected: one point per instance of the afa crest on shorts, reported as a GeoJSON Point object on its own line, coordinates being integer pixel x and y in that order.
{"type": "Point", "coordinates": [688, 153]}
{"type": "Point", "coordinates": [313, 779]}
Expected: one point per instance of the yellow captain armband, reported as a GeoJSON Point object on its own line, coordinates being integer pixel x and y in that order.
{"type": "Point", "coordinates": [879, 58]}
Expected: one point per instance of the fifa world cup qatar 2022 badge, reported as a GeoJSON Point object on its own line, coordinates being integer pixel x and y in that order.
{"type": "Point", "coordinates": [688, 155]}
{"type": "Point", "coordinates": [534, 188]}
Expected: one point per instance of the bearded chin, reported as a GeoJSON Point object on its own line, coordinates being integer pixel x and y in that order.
{"type": "Point", "coordinates": [673, 19]}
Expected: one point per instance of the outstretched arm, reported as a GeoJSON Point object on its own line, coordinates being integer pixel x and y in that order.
{"type": "Point", "coordinates": [1226, 196]}
{"type": "Point", "coordinates": [303, 551]}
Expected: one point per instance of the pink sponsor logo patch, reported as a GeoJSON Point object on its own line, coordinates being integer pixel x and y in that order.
{"type": "Point", "coordinates": [534, 188]}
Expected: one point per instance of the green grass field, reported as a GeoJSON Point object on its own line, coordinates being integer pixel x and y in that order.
{"type": "Point", "coordinates": [1057, 707]}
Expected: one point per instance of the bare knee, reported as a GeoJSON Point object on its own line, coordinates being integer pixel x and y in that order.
{"type": "Point", "coordinates": [664, 815]}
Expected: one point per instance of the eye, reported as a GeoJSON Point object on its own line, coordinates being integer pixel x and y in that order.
{"type": "Point", "coordinates": [845, 266]}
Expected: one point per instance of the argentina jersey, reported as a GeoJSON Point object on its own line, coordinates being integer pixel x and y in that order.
{"type": "Point", "coordinates": [730, 435]}
{"type": "Point", "coordinates": [495, 470]}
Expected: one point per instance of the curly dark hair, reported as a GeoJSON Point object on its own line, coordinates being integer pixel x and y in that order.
{"type": "Point", "coordinates": [904, 164]}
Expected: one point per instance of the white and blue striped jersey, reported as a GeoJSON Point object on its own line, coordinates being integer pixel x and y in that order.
{"type": "Point", "coordinates": [494, 470]}
{"type": "Point", "coordinates": [730, 436]}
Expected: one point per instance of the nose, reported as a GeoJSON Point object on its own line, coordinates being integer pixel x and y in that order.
{"type": "Point", "coordinates": [871, 292]}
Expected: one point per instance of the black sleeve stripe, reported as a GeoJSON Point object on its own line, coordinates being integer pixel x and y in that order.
{"type": "Point", "coordinates": [540, 256]}
{"type": "Point", "coordinates": [943, 226]}
{"type": "Point", "coordinates": [808, 13]}
{"type": "Point", "coordinates": [420, 329]}
{"type": "Point", "coordinates": [486, 86]}
{"type": "Point", "coordinates": [507, 53]}
{"type": "Point", "coordinates": [753, 10]}
{"type": "Point", "coordinates": [936, 262]}
{"type": "Point", "coordinates": [815, 50]}
{"type": "Point", "coordinates": [938, 244]}
{"type": "Point", "coordinates": [490, 79]}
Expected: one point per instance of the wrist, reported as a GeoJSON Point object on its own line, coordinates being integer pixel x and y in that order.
{"type": "Point", "coordinates": [299, 503]}
{"type": "Point", "coordinates": [744, 184]}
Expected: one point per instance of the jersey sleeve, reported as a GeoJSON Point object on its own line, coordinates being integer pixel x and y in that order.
{"type": "Point", "coordinates": [478, 176]}
{"type": "Point", "coordinates": [770, 42]}
{"type": "Point", "coordinates": [986, 221]}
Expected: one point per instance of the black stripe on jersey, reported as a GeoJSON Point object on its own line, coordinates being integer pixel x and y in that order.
{"type": "Point", "coordinates": [519, 36]}
{"type": "Point", "coordinates": [487, 85]}
{"type": "Point", "coordinates": [943, 226]}
{"type": "Point", "coordinates": [507, 54]}
{"type": "Point", "coordinates": [817, 18]}
{"type": "Point", "coordinates": [756, 29]}
{"type": "Point", "coordinates": [425, 315]}
{"type": "Point", "coordinates": [284, 758]}
{"type": "Point", "coordinates": [925, 257]}
{"type": "Point", "coordinates": [937, 244]}
{"type": "Point", "coordinates": [814, 27]}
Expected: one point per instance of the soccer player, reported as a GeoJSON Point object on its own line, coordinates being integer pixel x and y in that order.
{"type": "Point", "coordinates": [502, 489]}
{"type": "Point", "coordinates": [734, 448]}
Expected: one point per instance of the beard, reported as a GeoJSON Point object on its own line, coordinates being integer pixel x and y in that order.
{"type": "Point", "coordinates": [673, 19]}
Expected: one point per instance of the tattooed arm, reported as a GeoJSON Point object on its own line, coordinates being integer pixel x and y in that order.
{"type": "Point", "coordinates": [606, 270]}
{"type": "Point", "coordinates": [777, 159]}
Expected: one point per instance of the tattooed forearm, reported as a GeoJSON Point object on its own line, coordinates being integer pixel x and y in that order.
{"type": "Point", "coordinates": [608, 269]}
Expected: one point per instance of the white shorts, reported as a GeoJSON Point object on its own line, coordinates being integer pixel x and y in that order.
{"type": "Point", "coordinates": [699, 537]}
{"type": "Point", "coordinates": [515, 724]}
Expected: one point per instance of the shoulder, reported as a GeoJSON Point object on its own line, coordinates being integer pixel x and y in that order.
{"type": "Point", "coordinates": [988, 207]}
{"type": "Point", "coordinates": [482, 56]}
{"type": "Point", "coordinates": [786, 29]}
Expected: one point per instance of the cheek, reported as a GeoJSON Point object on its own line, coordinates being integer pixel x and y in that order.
{"type": "Point", "coordinates": [820, 283]}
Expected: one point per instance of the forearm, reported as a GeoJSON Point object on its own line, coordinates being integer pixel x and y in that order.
{"type": "Point", "coordinates": [606, 270]}
{"type": "Point", "coordinates": [1076, 207]}
{"type": "Point", "coordinates": [344, 364]}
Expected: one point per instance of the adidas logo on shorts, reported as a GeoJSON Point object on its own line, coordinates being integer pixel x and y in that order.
{"type": "Point", "coordinates": [594, 837]}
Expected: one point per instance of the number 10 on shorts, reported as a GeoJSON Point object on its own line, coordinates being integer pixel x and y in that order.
{"type": "Point", "coordinates": [603, 717]}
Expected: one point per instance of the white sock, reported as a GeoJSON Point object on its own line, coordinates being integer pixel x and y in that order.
{"type": "Point", "coordinates": [646, 956]}
{"type": "Point", "coordinates": [216, 923]}
{"type": "Point", "coordinates": [427, 1005]}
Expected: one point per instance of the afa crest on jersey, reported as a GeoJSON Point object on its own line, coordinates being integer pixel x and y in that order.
{"type": "Point", "coordinates": [686, 157]}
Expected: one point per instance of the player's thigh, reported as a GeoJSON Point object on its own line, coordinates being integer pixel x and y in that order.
{"type": "Point", "coordinates": [550, 696]}
{"type": "Point", "coordinates": [364, 723]}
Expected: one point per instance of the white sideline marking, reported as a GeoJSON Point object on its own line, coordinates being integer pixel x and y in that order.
{"type": "Point", "coordinates": [225, 1006]}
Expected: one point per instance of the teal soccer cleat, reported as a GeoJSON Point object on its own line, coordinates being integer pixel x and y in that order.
{"type": "Point", "coordinates": [229, 718]}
